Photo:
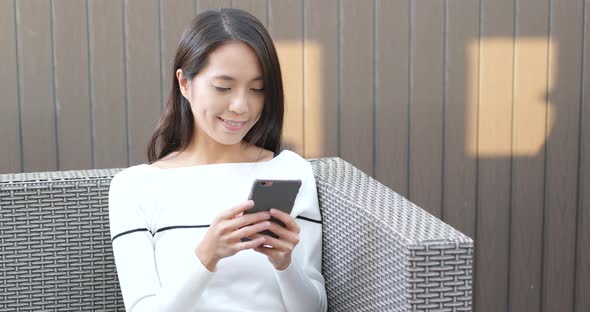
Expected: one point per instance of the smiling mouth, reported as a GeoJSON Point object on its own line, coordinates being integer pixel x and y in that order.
{"type": "Point", "coordinates": [232, 122]}
{"type": "Point", "coordinates": [233, 125]}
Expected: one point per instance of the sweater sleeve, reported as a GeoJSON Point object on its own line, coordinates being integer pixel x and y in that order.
{"type": "Point", "coordinates": [133, 249]}
{"type": "Point", "coordinates": [302, 284]}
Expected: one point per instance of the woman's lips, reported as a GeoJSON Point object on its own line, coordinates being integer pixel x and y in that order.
{"type": "Point", "coordinates": [233, 125]}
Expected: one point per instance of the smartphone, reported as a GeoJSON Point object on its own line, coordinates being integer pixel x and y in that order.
{"type": "Point", "coordinates": [279, 194]}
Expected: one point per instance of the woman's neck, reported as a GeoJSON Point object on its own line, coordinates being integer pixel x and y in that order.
{"type": "Point", "coordinates": [202, 151]}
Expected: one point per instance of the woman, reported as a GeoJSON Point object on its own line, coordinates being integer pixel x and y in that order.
{"type": "Point", "coordinates": [178, 223]}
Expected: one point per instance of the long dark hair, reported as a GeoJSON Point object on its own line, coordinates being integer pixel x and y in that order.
{"type": "Point", "coordinates": [207, 31]}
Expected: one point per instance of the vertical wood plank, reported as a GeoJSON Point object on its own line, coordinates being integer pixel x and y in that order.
{"type": "Point", "coordinates": [175, 15]}
{"type": "Point", "coordinates": [143, 75]}
{"type": "Point", "coordinates": [10, 142]}
{"type": "Point", "coordinates": [461, 98]}
{"type": "Point", "coordinates": [528, 154]}
{"type": "Point", "coordinates": [426, 106]}
{"type": "Point", "coordinates": [494, 152]}
{"type": "Point", "coordinates": [74, 124]}
{"type": "Point", "coordinates": [203, 5]}
{"type": "Point", "coordinates": [107, 87]}
{"type": "Point", "coordinates": [562, 162]}
{"type": "Point", "coordinates": [356, 84]}
{"type": "Point", "coordinates": [392, 59]}
{"type": "Point", "coordinates": [36, 86]}
{"type": "Point", "coordinates": [582, 270]}
{"type": "Point", "coordinates": [285, 26]}
{"type": "Point", "coordinates": [258, 8]}
{"type": "Point", "coordinates": [320, 78]}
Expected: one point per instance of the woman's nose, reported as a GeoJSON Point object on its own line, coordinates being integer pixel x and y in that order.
{"type": "Point", "coordinates": [239, 104]}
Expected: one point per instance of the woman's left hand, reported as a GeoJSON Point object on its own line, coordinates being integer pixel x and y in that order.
{"type": "Point", "coordinates": [279, 252]}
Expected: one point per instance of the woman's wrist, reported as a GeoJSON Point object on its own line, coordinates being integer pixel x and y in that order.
{"type": "Point", "coordinates": [209, 262]}
{"type": "Point", "coordinates": [283, 267]}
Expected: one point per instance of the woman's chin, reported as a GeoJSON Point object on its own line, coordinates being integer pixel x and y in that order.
{"type": "Point", "coordinates": [229, 140]}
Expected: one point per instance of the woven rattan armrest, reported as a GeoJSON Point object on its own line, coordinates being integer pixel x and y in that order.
{"type": "Point", "coordinates": [382, 252]}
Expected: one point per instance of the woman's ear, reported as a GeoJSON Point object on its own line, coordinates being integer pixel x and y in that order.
{"type": "Point", "coordinates": [183, 83]}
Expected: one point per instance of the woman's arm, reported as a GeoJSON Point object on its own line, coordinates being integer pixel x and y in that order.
{"type": "Point", "coordinates": [140, 284]}
{"type": "Point", "coordinates": [301, 282]}
{"type": "Point", "coordinates": [133, 248]}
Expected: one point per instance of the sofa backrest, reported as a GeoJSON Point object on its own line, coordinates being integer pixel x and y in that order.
{"type": "Point", "coordinates": [380, 251]}
{"type": "Point", "coordinates": [55, 246]}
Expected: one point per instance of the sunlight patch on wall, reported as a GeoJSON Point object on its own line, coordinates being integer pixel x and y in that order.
{"type": "Point", "coordinates": [301, 66]}
{"type": "Point", "coordinates": [513, 116]}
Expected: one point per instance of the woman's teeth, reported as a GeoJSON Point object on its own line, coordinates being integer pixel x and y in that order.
{"type": "Point", "coordinates": [234, 123]}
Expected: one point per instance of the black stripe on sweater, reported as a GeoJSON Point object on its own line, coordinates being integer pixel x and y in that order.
{"type": "Point", "coordinates": [129, 232]}
{"type": "Point", "coordinates": [190, 227]}
{"type": "Point", "coordinates": [181, 227]}
{"type": "Point", "coordinates": [310, 220]}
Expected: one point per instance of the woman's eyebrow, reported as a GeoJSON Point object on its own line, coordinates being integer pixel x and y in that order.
{"type": "Point", "coordinates": [230, 78]}
{"type": "Point", "coordinates": [224, 77]}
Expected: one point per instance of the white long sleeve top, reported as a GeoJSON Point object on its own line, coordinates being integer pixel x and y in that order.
{"type": "Point", "coordinates": [158, 217]}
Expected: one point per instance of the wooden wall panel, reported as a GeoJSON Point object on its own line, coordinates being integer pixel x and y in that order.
{"type": "Point", "coordinates": [258, 8]}
{"type": "Point", "coordinates": [39, 141]}
{"type": "Point", "coordinates": [426, 105]}
{"type": "Point", "coordinates": [528, 155]}
{"type": "Point", "coordinates": [107, 83]}
{"type": "Point", "coordinates": [286, 21]}
{"type": "Point", "coordinates": [392, 53]}
{"type": "Point", "coordinates": [461, 99]}
{"type": "Point", "coordinates": [143, 75]}
{"type": "Point", "coordinates": [175, 16]}
{"type": "Point", "coordinates": [212, 4]}
{"type": "Point", "coordinates": [74, 120]}
{"type": "Point", "coordinates": [582, 269]}
{"type": "Point", "coordinates": [320, 78]}
{"type": "Point", "coordinates": [10, 142]}
{"type": "Point", "coordinates": [477, 110]}
{"type": "Point", "coordinates": [561, 182]}
{"type": "Point", "coordinates": [494, 148]}
{"type": "Point", "coordinates": [356, 83]}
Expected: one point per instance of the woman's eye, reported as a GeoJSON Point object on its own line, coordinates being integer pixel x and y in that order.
{"type": "Point", "coordinates": [257, 90]}
{"type": "Point", "coordinates": [221, 89]}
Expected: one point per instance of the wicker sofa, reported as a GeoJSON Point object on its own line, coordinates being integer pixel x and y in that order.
{"type": "Point", "coordinates": [381, 252]}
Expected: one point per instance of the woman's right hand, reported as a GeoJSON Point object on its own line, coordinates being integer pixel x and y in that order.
{"type": "Point", "coordinates": [223, 239]}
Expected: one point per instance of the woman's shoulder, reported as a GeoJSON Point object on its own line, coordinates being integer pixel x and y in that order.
{"type": "Point", "coordinates": [291, 156]}
{"type": "Point", "coordinates": [293, 161]}
{"type": "Point", "coordinates": [133, 175]}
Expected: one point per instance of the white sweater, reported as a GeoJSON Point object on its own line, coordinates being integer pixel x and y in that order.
{"type": "Point", "coordinates": [158, 217]}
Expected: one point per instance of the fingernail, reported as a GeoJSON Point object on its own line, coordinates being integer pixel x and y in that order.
{"type": "Point", "coordinates": [273, 211]}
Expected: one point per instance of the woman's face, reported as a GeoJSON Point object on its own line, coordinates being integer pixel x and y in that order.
{"type": "Point", "coordinates": [226, 96]}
